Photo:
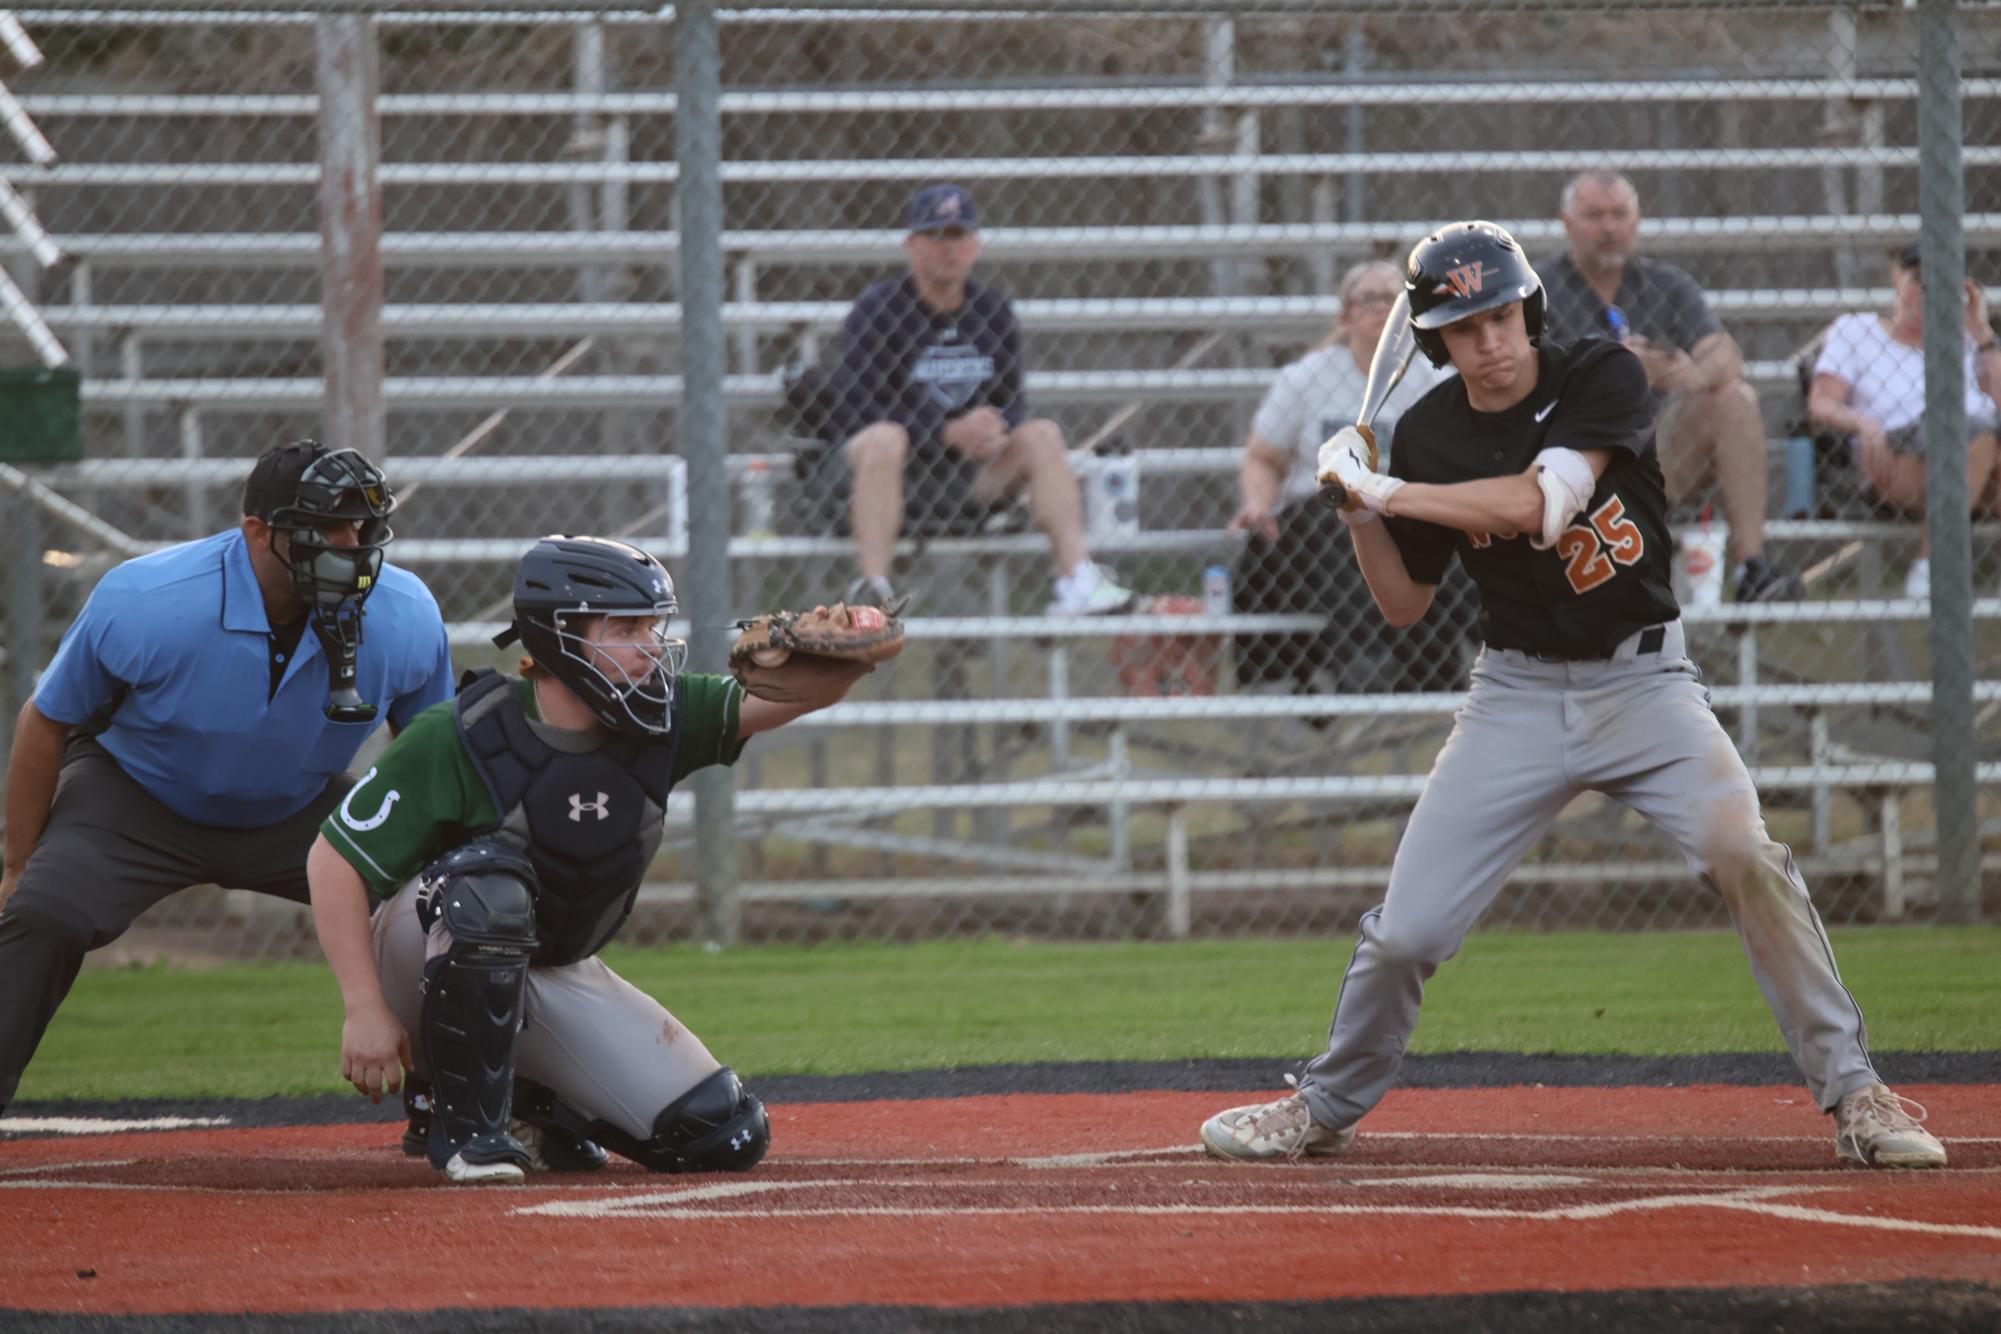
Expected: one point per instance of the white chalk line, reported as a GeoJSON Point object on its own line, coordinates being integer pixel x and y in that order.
{"type": "Point", "coordinates": [1762, 1200]}
{"type": "Point", "coordinates": [65, 1167]}
{"type": "Point", "coordinates": [677, 1207]}
{"type": "Point", "coordinates": [103, 1125]}
{"type": "Point", "coordinates": [740, 1189]}
{"type": "Point", "coordinates": [1121, 1157]}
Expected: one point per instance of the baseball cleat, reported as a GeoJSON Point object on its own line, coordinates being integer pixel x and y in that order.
{"type": "Point", "coordinates": [417, 1107]}
{"type": "Point", "coordinates": [488, 1160]}
{"type": "Point", "coordinates": [1265, 1130]}
{"type": "Point", "coordinates": [552, 1149]}
{"type": "Point", "coordinates": [1874, 1127]}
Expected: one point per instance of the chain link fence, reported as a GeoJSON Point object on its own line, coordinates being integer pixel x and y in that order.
{"type": "Point", "coordinates": [1190, 221]}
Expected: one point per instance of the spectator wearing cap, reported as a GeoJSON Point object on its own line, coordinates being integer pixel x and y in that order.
{"type": "Point", "coordinates": [181, 734]}
{"type": "Point", "coordinates": [1869, 385]}
{"type": "Point", "coordinates": [1708, 427]}
{"type": "Point", "coordinates": [936, 431]}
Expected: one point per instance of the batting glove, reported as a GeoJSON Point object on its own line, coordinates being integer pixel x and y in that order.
{"type": "Point", "coordinates": [1347, 443]}
{"type": "Point", "coordinates": [1346, 458]}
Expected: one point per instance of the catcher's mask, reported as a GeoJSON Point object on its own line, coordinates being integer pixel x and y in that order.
{"type": "Point", "coordinates": [593, 614]}
{"type": "Point", "coordinates": [1463, 270]}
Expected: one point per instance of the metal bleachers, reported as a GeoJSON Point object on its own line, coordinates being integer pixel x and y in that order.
{"type": "Point", "coordinates": [540, 226]}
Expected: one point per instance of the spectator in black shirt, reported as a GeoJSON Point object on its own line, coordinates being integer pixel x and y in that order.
{"type": "Point", "coordinates": [1707, 418]}
{"type": "Point", "coordinates": [936, 427]}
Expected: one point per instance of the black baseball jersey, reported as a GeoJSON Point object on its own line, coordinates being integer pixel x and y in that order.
{"type": "Point", "coordinates": [1609, 573]}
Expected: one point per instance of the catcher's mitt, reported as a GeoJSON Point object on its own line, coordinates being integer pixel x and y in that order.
{"type": "Point", "coordinates": [813, 657]}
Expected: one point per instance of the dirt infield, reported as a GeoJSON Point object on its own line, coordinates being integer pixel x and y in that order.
{"type": "Point", "coordinates": [1012, 1202]}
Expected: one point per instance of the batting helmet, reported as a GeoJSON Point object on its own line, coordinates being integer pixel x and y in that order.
{"type": "Point", "coordinates": [1462, 270]}
{"type": "Point", "coordinates": [563, 577]}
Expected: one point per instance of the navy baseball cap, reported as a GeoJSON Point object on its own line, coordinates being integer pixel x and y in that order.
{"type": "Point", "coordinates": [1911, 256]}
{"type": "Point", "coordinates": [937, 207]}
{"type": "Point", "coordinates": [274, 481]}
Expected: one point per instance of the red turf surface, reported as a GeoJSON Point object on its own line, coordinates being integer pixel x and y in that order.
{"type": "Point", "coordinates": [970, 1202]}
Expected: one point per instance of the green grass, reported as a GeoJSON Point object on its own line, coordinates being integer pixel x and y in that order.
{"type": "Point", "coordinates": [249, 1030]}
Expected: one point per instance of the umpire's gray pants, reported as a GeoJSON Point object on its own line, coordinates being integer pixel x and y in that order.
{"type": "Point", "coordinates": [602, 1045]}
{"type": "Point", "coordinates": [1531, 736]}
{"type": "Point", "coordinates": [108, 853]}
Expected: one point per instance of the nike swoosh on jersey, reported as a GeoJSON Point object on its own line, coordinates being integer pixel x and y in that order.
{"type": "Point", "coordinates": [1547, 408]}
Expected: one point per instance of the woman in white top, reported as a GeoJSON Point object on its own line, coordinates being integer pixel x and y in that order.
{"type": "Point", "coordinates": [1297, 559]}
{"type": "Point", "coordinates": [1869, 384]}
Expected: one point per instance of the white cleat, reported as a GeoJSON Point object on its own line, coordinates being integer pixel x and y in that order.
{"type": "Point", "coordinates": [1874, 1126]}
{"type": "Point", "coordinates": [488, 1160]}
{"type": "Point", "coordinates": [1261, 1131]}
{"type": "Point", "coordinates": [461, 1172]}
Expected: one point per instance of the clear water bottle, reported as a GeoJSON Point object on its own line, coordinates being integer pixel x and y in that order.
{"type": "Point", "coordinates": [760, 505]}
{"type": "Point", "coordinates": [1216, 591]}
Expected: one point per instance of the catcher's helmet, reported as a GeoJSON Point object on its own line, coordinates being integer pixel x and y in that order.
{"type": "Point", "coordinates": [300, 487]}
{"type": "Point", "coordinates": [1462, 270]}
{"type": "Point", "coordinates": [563, 577]}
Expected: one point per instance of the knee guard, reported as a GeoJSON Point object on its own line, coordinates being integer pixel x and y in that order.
{"type": "Point", "coordinates": [471, 1016]}
{"type": "Point", "coordinates": [716, 1126]}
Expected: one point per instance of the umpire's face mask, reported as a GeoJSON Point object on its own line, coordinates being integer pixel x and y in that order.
{"type": "Point", "coordinates": [331, 563]}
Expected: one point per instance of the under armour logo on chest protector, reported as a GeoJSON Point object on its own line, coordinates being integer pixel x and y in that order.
{"type": "Point", "coordinates": [601, 806]}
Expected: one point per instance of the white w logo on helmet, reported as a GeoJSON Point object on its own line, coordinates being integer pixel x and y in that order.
{"type": "Point", "coordinates": [578, 806]}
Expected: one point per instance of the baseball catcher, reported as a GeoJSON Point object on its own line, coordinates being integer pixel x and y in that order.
{"type": "Point", "coordinates": [504, 837]}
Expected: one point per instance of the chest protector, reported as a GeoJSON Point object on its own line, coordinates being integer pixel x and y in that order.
{"type": "Point", "coordinates": [591, 821]}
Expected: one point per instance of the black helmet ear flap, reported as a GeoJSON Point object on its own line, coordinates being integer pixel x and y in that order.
{"type": "Point", "coordinates": [508, 636]}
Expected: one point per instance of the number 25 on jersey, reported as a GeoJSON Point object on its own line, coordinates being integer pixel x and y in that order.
{"type": "Point", "coordinates": [1593, 551]}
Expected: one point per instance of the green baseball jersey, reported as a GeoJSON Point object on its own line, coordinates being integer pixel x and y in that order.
{"type": "Point", "coordinates": [424, 796]}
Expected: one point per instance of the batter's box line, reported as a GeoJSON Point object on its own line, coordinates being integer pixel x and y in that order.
{"type": "Point", "coordinates": [673, 1206]}
{"type": "Point", "coordinates": [1141, 1157]}
{"type": "Point", "coordinates": [41, 1168]}
{"type": "Point", "coordinates": [100, 1125]}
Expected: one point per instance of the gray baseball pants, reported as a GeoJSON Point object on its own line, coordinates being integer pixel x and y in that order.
{"type": "Point", "coordinates": [603, 1046]}
{"type": "Point", "coordinates": [1531, 736]}
{"type": "Point", "coordinates": [108, 853]}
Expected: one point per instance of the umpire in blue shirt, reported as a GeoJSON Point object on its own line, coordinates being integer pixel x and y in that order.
{"type": "Point", "coordinates": [146, 763]}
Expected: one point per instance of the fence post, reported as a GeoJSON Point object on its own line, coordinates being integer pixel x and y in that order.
{"type": "Point", "coordinates": [587, 141]}
{"type": "Point", "coordinates": [350, 234]}
{"type": "Point", "coordinates": [1942, 200]}
{"type": "Point", "coordinates": [704, 431]}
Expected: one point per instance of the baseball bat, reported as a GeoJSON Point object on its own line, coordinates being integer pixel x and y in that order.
{"type": "Point", "coordinates": [1386, 368]}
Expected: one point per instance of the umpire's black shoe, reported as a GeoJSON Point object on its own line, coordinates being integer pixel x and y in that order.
{"type": "Point", "coordinates": [1758, 580]}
